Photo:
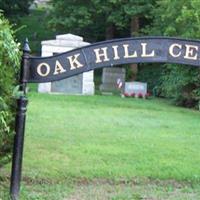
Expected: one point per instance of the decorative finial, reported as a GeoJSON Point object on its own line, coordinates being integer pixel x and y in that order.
{"type": "Point", "coordinates": [26, 47]}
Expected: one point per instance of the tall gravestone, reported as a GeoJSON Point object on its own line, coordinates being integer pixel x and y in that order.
{"type": "Point", "coordinates": [80, 84]}
{"type": "Point", "coordinates": [110, 77]}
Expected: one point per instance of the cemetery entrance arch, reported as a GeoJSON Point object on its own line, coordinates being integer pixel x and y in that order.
{"type": "Point", "coordinates": [98, 55]}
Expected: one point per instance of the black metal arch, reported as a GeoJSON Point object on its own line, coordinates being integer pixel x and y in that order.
{"type": "Point", "coordinates": [114, 52]}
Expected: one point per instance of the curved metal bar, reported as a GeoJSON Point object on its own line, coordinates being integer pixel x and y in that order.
{"type": "Point", "coordinates": [114, 52]}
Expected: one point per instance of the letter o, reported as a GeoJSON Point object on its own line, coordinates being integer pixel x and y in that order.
{"type": "Point", "coordinates": [39, 69]}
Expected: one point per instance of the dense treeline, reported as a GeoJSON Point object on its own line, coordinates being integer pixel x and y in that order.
{"type": "Point", "coordinates": [99, 20]}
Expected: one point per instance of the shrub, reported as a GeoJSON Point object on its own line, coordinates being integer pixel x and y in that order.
{"type": "Point", "coordinates": [151, 73]}
{"type": "Point", "coordinates": [9, 65]}
{"type": "Point", "coordinates": [180, 83]}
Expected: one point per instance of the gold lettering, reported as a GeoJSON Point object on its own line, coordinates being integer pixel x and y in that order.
{"type": "Point", "coordinates": [74, 63]}
{"type": "Point", "coordinates": [103, 54]}
{"type": "Point", "coordinates": [58, 68]}
{"type": "Point", "coordinates": [191, 52]}
{"type": "Point", "coordinates": [126, 52]}
{"type": "Point", "coordinates": [171, 50]}
{"type": "Point", "coordinates": [44, 72]}
{"type": "Point", "coordinates": [115, 49]}
{"type": "Point", "coordinates": [144, 51]}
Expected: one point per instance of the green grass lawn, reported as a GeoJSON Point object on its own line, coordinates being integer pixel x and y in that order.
{"type": "Point", "coordinates": [107, 147]}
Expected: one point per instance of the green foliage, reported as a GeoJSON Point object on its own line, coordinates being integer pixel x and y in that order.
{"type": "Point", "coordinates": [178, 18]}
{"type": "Point", "coordinates": [91, 18]}
{"type": "Point", "coordinates": [28, 26]}
{"type": "Point", "coordinates": [9, 62]}
{"type": "Point", "coordinates": [13, 7]}
{"type": "Point", "coordinates": [77, 18]}
{"type": "Point", "coordinates": [151, 74]}
{"type": "Point", "coordinates": [182, 84]}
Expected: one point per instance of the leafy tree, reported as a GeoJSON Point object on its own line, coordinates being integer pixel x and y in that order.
{"type": "Point", "coordinates": [99, 19]}
{"type": "Point", "coordinates": [14, 7]}
{"type": "Point", "coordinates": [9, 62]}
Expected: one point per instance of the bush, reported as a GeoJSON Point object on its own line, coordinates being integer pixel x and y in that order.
{"type": "Point", "coordinates": [151, 73]}
{"type": "Point", "coordinates": [9, 65]}
{"type": "Point", "coordinates": [181, 83]}
{"type": "Point", "coordinates": [178, 18]}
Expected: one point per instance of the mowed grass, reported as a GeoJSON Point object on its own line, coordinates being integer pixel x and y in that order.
{"type": "Point", "coordinates": [110, 137]}
{"type": "Point", "coordinates": [92, 139]}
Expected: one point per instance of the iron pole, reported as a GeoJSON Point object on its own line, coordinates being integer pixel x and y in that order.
{"type": "Point", "coordinates": [20, 120]}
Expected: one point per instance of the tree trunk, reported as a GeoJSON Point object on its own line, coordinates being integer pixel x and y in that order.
{"type": "Point", "coordinates": [134, 28]}
{"type": "Point", "coordinates": [110, 31]}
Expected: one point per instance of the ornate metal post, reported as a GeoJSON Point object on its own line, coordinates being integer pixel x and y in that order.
{"type": "Point", "coordinates": [20, 126]}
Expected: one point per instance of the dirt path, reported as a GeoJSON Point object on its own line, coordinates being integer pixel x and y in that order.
{"type": "Point", "coordinates": [150, 190]}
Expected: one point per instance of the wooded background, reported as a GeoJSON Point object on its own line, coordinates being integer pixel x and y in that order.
{"type": "Point", "coordinates": [98, 20]}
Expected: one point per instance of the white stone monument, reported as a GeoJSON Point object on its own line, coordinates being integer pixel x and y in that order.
{"type": "Point", "coordinates": [80, 84]}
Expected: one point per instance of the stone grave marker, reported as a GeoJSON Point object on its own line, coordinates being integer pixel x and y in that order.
{"type": "Point", "coordinates": [137, 88]}
{"type": "Point", "coordinates": [110, 77]}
